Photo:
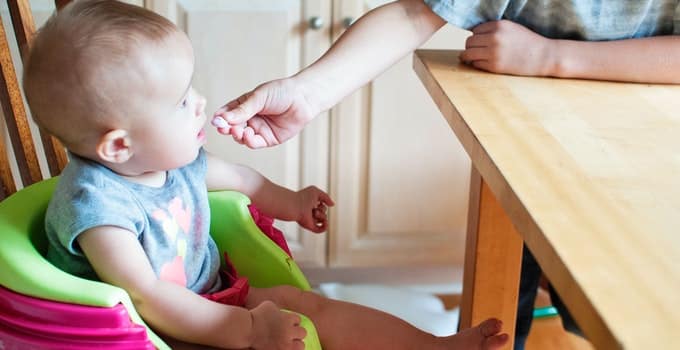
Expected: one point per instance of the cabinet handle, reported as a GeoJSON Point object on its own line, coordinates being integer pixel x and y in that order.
{"type": "Point", "coordinates": [316, 23]}
{"type": "Point", "coordinates": [347, 22]}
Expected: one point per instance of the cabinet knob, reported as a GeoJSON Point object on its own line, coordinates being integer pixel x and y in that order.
{"type": "Point", "coordinates": [347, 22]}
{"type": "Point", "coordinates": [316, 23]}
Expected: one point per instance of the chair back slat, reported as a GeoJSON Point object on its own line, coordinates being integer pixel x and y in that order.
{"type": "Point", "coordinates": [24, 26]}
{"type": "Point", "coordinates": [15, 116]}
{"type": "Point", "coordinates": [55, 153]}
{"type": "Point", "coordinates": [15, 112]}
{"type": "Point", "coordinates": [7, 185]}
{"type": "Point", "coordinates": [24, 29]}
{"type": "Point", "coordinates": [61, 3]}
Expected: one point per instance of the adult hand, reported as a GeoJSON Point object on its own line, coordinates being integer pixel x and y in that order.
{"type": "Point", "coordinates": [267, 116]}
{"type": "Point", "coordinates": [508, 48]}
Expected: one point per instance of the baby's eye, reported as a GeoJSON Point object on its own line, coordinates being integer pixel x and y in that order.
{"type": "Point", "coordinates": [184, 103]}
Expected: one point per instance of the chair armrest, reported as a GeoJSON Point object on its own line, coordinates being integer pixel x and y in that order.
{"type": "Point", "coordinates": [253, 254]}
{"type": "Point", "coordinates": [24, 269]}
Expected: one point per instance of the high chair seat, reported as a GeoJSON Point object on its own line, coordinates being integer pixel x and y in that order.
{"type": "Point", "coordinates": [43, 307]}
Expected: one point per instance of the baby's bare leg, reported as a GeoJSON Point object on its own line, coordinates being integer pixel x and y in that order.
{"type": "Point", "coordinates": [343, 325]}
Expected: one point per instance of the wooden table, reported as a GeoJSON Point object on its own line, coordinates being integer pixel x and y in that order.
{"type": "Point", "coordinates": [588, 174]}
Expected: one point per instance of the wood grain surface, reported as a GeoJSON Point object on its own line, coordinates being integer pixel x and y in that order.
{"type": "Point", "coordinates": [589, 174]}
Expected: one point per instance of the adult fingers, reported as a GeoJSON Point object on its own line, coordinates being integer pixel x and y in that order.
{"type": "Point", "coordinates": [486, 27]}
{"type": "Point", "coordinates": [475, 54]}
{"type": "Point", "coordinates": [479, 40]}
{"type": "Point", "coordinates": [484, 65]}
{"type": "Point", "coordinates": [244, 108]}
{"type": "Point", "coordinates": [220, 112]}
{"type": "Point", "coordinates": [263, 128]}
{"type": "Point", "coordinates": [221, 125]}
{"type": "Point", "coordinates": [237, 131]}
{"type": "Point", "coordinates": [253, 140]}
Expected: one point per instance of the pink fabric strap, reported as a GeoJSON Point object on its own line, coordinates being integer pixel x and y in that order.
{"type": "Point", "coordinates": [266, 224]}
{"type": "Point", "coordinates": [238, 288]}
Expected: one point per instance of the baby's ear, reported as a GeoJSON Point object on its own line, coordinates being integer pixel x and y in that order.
{"type": "Point", "coordinates": [114, 146]}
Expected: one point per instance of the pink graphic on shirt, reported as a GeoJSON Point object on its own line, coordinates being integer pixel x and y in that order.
{"type": "Point", "coordinates": [179, 218]}
{"type": "Point", "coordinates": [174, 272]}
{"type": "Point", "coordinates": [181, 215]}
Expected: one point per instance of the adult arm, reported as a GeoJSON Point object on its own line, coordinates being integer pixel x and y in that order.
{"type": "Point", "coordinates": [372, 44]}
{"type": "Point", "coordinates": [276, 111]}
{"type": "Point", "coordinates": [509, 48]}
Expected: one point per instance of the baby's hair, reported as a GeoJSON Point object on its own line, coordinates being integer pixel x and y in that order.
{"type": "Point", "coordinates": [76, 60]}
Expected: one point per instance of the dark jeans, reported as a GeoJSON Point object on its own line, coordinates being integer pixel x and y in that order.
{"type": "Point", "coordinates": [528, 287]}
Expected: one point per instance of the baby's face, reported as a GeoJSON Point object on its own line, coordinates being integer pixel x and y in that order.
{"type": "Point", "coordinates": [169, 129]}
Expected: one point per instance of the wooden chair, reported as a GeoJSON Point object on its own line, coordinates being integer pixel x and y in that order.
{"type": "Point", "coordinates": [44, 307]}
{"type": "Point", "coordinates": [15, 112]}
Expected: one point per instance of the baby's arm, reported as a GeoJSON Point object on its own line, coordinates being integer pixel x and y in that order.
{"type": "Point", "coordinates": [510, 48]}
{"type": "Point", "coordinates": [307, 206]}
{"type": "Point", "coordinates": [119, 259]}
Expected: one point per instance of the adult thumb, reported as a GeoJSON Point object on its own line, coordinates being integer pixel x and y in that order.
{"type": "Point", "coordinates": [247, 107]}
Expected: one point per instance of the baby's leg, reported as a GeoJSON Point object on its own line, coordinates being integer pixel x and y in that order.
{"type": "Point", "coordinates": [343, 325]}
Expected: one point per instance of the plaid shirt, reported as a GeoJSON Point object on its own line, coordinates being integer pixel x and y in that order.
{"type": "Point", "coordinates": [591, 20]}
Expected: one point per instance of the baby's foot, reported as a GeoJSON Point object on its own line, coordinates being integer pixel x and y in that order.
{"type": "Point", "coordinates": [485, 336]}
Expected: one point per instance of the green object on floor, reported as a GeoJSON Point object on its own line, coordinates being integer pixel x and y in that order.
{"type": "Point", "coordinates": [547, 311]}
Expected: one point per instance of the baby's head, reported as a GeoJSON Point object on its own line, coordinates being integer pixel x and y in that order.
{"type": "Point", "coordinates": [112, 82]}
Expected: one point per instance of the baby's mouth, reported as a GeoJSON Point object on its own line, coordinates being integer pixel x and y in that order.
{"type": "Point", "coordinates": [201, 135]}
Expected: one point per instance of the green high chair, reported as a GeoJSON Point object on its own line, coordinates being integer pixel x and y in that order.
{"type": "Point", "coordinates": [42, 306]}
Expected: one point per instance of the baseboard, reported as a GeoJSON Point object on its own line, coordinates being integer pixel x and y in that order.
{"type": "Point", "coordinates": [436, 279]}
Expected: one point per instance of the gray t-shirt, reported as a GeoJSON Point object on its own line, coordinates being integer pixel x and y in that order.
{"type": "Point", "coordinates": [171, 222]}
{"type": "Point", "coordinates": [591, 20]}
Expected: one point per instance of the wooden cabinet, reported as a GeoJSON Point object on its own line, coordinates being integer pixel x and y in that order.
{"type": "Point", "coordinates": [400, 181]}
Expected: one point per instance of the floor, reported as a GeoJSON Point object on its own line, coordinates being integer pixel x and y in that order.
{"type": "Point", "coordinates": [546, 333]}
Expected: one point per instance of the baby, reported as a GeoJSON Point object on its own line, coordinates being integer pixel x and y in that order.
{"type": "Point", "coordinates": [112, 82]}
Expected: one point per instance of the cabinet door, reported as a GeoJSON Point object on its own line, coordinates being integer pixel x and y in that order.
{"type": "Point", "coordinates": [398, 174]}
{"type": "Point", "coordinates": [239, 44]}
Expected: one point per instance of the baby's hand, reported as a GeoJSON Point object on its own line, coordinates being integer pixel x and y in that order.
{"type": "Point", "coordinates": [275, 329]}
{"type": "Point", "coordinates": [313, 203]}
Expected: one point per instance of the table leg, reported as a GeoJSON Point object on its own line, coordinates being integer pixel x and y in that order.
{"type": "Point", "coordinates": [493, 256]}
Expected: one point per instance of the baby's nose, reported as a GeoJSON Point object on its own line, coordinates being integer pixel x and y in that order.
{"type": "Point", "coordinates": [200, 106]}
